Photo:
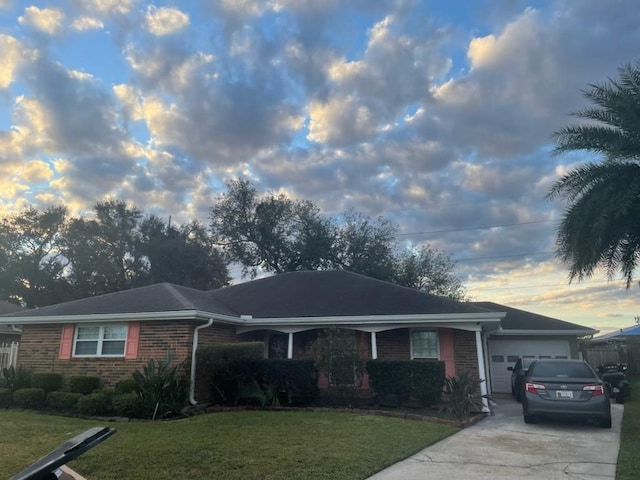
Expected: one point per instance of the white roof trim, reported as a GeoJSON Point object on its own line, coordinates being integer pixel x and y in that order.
{"type": "Point", "coordinates": [245, 320]}
{"type": "Point", "coordinates": [573, 333]}
{"type": "Point", "coordinates": [120, 317]}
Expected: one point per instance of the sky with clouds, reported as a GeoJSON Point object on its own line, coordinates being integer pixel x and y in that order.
{"type": "Point", "coordinates": [435, 114]}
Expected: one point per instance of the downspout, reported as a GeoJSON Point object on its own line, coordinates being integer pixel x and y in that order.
{"type": "Point", "coordinates": [16, 329]}
{"type": "Point", "coordinates": [192, 384]}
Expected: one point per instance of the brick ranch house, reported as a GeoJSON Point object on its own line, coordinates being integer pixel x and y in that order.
{"type": "Point", "coordinates": [115, 334]}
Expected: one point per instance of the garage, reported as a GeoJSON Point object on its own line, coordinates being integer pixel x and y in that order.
{"type": "Point", "coordinates": [504, 353]}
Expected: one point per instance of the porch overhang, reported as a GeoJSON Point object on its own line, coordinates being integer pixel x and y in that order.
{"type": "Point", "coordinates": [373, 324]}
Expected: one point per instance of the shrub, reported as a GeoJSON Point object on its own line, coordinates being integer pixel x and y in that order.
{"type": "Point", "coordinates": [15, 379]}
{"type": "Point", "coordinates": [229, 367]}
{"type": "Point", "coordinates": [296, 380]}
{"type": "Point", "coordinates": [29, 397]}
{"type": "Point", "coordinates": [161, 389]}
{"type": "Point", "coordinates": [64, 401]}
{"type": "Point", "coordinates": [462, 391]}
{"type": "Point", "coordinates": [49, 382]}
{"type": "Point", "coordinates": [337, 356]}
{"type": "Point", "coordinates": [129, 405]}
{"type": "Point", "coordinates": [96, 403]}
{"type": "Point", "coordinates": [127, 385]}
{"type": "Point", "coordinates": [84, 384]}
{"type": "Point", "coordinates": [5, 397]}
{"type": "Point", "coordinates": [405, 378]}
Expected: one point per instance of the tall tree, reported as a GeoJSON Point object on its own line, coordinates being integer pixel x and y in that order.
{"type": "Point", "coordinates": [184, 256]}
{"type": "Point", "coordinates": [32, 264]}
{"type": "Point", "coordinates": [429, 270]}
{"type": "Point", "coordinates": [271, 232]}
{"type": "Point", "coordinates": [601, 226]}
{"type": "Point", "coordinates": [278, 235]}
{"type": "Point", "coordinates": [105, 251]}
{"type": "Point", "coordinates": [367, 246]}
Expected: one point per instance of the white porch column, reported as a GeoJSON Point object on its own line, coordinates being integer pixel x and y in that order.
{"type": "Point", "coordinates": [374, 346]}
{"type": "Point", "coordinates": [482, 373]}
{"type": "Point", "coordinates": [290, 346]}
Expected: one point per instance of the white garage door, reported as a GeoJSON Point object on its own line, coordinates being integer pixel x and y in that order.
{"type": "Point", "coordinates": [503, 354]}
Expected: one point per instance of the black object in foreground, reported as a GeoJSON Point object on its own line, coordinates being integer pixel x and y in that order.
{"type": "Point", "coordinates": [44, 468]}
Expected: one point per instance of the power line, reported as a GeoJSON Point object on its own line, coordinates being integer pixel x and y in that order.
{"type": "Point", "coordinates": [472, 259]}
{"type": "Point", "coordinates": [543, 285]}
{"type": "Point", "coordinates": [485, 227]}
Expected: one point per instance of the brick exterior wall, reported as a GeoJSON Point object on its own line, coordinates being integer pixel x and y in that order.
{"type": "Point", "coordinates": [465, 353]}
{"type": "Point", "coordinates": [394, 344]}
{"type": "Point", "coordinates": [159, 340]}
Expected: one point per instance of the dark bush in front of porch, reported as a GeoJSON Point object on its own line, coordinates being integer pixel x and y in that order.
{"type": "Point", "coordinates": [397, 382]}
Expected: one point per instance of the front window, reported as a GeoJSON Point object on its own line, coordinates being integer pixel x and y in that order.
{"type": "Point", "coordinates": [424, 344]}
{"type": "Point", "coordinates": [100, 341]}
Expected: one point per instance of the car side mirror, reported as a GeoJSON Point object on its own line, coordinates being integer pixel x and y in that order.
{"type": "Point", "coordinates": [510, 369]}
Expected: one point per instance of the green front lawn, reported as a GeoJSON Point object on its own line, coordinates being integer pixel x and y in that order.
{"type": "Point", "coordinates": [628, 459]}
{"type": "Point", "coordinates": [230, 445]}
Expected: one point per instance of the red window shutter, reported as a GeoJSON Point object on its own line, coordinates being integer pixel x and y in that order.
{"type": "Point", "coordinates": [131, 351]}
{"type": "Point", "coordinates": [447, 354]}
{"type": "Point", "coordinates": [66, 342]}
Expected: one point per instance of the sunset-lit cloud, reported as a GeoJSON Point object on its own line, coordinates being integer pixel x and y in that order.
{"type": "Point", "coordinates": [436, 117]}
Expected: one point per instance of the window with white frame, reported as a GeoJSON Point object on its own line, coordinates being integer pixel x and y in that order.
{"type": "Point", "coordinates": [424, 344]}
{"type": "Point", "coordinates": [100, 340]}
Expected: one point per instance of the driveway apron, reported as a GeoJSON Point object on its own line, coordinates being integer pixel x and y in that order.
{"type": "Point", "coordinates": [502, 446]}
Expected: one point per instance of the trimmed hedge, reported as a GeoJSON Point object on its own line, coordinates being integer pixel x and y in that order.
{"type": "Point", "coordinates": [49, 382]}
{"type": "Point", "coordinates": [129, 405]}
{"type": "Point", "coordinates": [5, 397]}
{"type": "Point", "coordinates": [64, 401]}
{"type": "Point", "coordinates": [228, 367]}
{"type": "Point", "coordinates": [296, 379]}
{"type": "Point", "coordinates": [423, 380]}
{"type": "Point", "coordinates": [29, 397]}
{"type": "Point", "coordinates": [127, 385]}
{"type": "Point", "coordinates": [85, 384]}
{"type": "Point", "coordinates": [97, 403]}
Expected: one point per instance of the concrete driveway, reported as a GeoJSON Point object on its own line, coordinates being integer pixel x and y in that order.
{"type": "Point", "coordinates": [502, 446]}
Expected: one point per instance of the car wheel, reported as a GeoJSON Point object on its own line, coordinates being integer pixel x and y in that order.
{"type": "Point", "coordinates": [530, 419]}
{"type": "Point", "coordinates": [605, 422]}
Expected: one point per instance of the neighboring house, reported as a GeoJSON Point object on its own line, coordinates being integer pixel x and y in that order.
{"type": "Point", "coordinates": [617, 336]}
{"type": "Point", "coordinates": [9, 333]}
{"type": "Point", "coordinates": [529, 335]}
{"type": "Point", "coordinates": [115, 334]}
{"type": "Point", "coordinates": [9, 337]}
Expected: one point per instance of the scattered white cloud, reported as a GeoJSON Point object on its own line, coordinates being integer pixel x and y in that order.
{"type": "Point", "coordinates": [165, 20]}
{"type": "Point", "coordinates": [83, 24]}
{"type": "Point", "coordinates": [46, 20]}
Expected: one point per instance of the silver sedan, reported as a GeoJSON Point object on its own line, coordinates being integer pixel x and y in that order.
{"type": "Point", "coordinates": [567, 389]}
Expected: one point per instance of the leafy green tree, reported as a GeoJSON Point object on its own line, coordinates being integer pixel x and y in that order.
{"type": "Point", "coordinates": [105, 251]}
{"type": "Point", "coordinates": [601, 226]}
{"type": "Point", "coordinates": [184, 256]}
{"type": "Point", "coordinates": [367, 246]}
{"type": "Point", "coordinates": [429, 270]}
{"type": "Point", "coordinates": [32, 264]}
{"type": "Point", "coordinates": [278, 234]}
{"type": "Point", "coordinates": [271, 232]}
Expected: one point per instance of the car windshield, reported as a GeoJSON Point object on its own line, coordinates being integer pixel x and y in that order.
{"type": "Point", "coordinates": [561, 370]}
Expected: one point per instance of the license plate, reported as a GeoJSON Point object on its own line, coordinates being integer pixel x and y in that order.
{"type": "Point", "coordinates": [564, 394]}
